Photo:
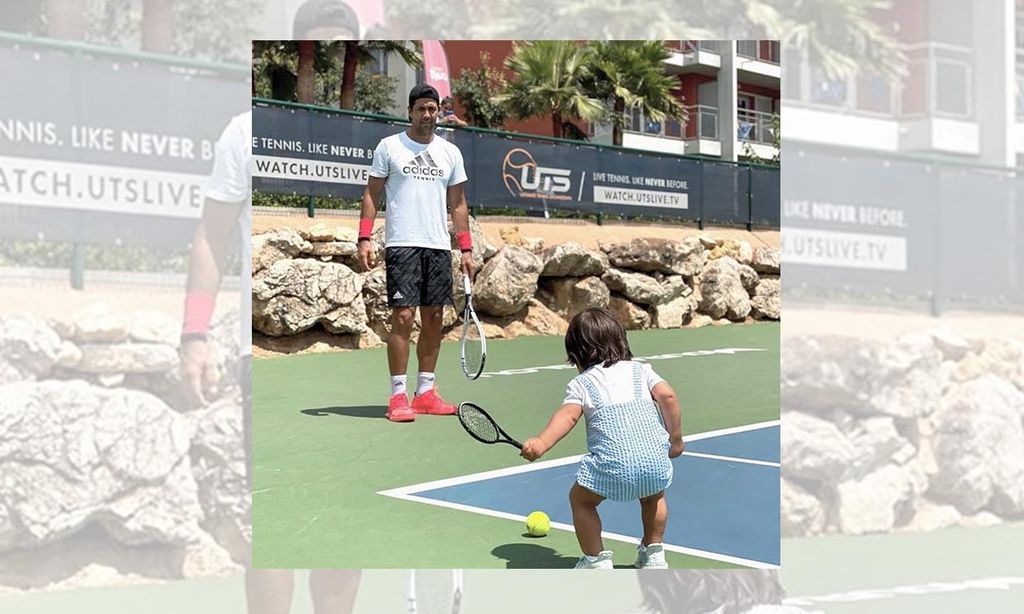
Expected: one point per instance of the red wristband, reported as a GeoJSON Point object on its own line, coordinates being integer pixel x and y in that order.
{"type": "Point", "coordinates": [365, 228]}
{"type": "Point", "coordinates": [465, 241]}
{"type": "Point", "coordinates": [198, 312]}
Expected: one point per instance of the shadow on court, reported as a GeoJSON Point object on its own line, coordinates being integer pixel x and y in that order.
{"type": "Point", "coordinates": [530, 556]}
{"type": "Point", "coordinates": [360, 411]}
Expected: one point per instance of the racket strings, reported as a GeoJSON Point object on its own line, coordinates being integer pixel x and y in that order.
{"type": "Point", "coordinates": [472, 350]}
{"type": "Point", "coordinates": [479, 424]}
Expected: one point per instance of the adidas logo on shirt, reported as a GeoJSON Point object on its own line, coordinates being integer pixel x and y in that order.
{"type": "Point", "coordinates": [398, 295]}
{"type": "Point", "coordinates": [423, 166]}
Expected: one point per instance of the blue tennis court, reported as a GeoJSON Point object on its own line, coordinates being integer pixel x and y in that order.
{"type": "Point", "coordinates": [723, 501]}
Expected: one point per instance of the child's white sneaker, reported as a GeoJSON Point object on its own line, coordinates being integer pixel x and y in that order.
{"type": "Point", "coordinates": [650, 557]}
{"type": "Point", "coordinates": [603, 560]}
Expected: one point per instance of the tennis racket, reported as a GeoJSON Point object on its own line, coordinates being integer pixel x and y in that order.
{"type": "Point", "coordinates": [434, 591]}
{"type": "Point", "coordinates": [482, 426]}
{"type": "Point", "coordinates": [474, 344]}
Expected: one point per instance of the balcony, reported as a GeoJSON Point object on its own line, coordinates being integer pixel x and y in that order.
{"type": "Point", "coordinates": [755, 127]}
{"type": "Point", "coordinates": [699, 135]}
{"type": "Point", "coordinates": [759, 61]}
{"type": "Point", "coordinates": [694, 57]}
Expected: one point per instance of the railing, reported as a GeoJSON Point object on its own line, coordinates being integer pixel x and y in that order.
{"type": "Point", "coordinates": [755, 127]}
{"type": "Point", "coordinates": [702, 122]}
{"type": "Point", "coordinates": [763, 51]}
{"type": "Point", "coordinates": [638, 123]}
{"type": "Point", "coordinates": [692, 47]}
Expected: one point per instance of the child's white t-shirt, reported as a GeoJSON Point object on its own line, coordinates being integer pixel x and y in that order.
{"type": "Point", "coordinates": [614, 384]}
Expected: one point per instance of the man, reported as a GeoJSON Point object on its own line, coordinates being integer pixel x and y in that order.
{"type": "Point", "coordinates": [227, 209]}
{"type": "Point", "coordinates": [448, 116]}
{"type": "Point", "coordinates": [425, 175]}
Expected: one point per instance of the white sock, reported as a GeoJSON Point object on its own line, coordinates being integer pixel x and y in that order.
{"type": "Point", "coordinates": [424, 382]}
{"type": "Point", "coordinates": [397, 384]}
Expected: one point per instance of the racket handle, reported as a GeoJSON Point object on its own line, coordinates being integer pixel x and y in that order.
{"type": "Point", "coordinates": [515, 443]}
{"type": "Point", "coordinates": [466, 286]}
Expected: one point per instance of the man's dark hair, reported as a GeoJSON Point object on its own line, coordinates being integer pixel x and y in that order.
{"type": "Point", "coordinates": [423, 91]}
{"type": "Point", "coordinates": [323, 14]}
{"type": "Point", "coordinates": [596, 337]}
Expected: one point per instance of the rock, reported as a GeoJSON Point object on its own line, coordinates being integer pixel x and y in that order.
{"type": "Point", "coordinates": [930, 516]}
{"type": "Point", "coordinates": [331, 249]}
{"type": "Point", "coordinates": [207, 559]}
{"type": "Point", "coordinates": [766, 302]}
{"type": "Point", "coordinates": [982, 519]}
{"type": "Point", "coordinates": [664, 255]}
{"type": "Point", "coordinates": [907, 383]}
{"type": "Point", "coordinates": [699, 320]}
{"type": "Point", "coordinates": [749, 278]}
{"type": "Point", "coordinates": [673, 287]}
{"type": "Point", "coordinates": [218, 460]}
{"type": "Point", "coordinates": [573, 260]}
{"type": "Point", "coordinates": [115, 459]}
{"type": "Point", "coordinates": [539, 320]}
{"type": "Point", "coordinates": [637, 287]}
{"type": "Point", "coordinates": [740, 251]}
{"type": "Point", "coordinates": [814, 449]}
{"type": "Point", "coordinates": [269, 247]}
{"type": "Point", "coordinates": [345, 234]}
{"type": "Point", "coordinates": [483, 250]}
{"type": "Point", "coordinates": [829, 373]}
{"type": "Point", "coordinates": [707, 241]}
{"type": "Point", "coordinates": [674, 313]}
{"type": "Point", "coordinates": [113, 359]}
{"type": "Point", "coordinates": [722, 291]}
{"type": "Point", "coordinates": [952, 346]}
{"type": "Point", "coordinates": [568, 296]}
{"type": "Point", "coordinates": [319, 232]}
{"type": "Point", "coordinates": [97, 323]}
{"type": "Point", "coordinates": [875, 503]}
{"type": "Point", "coordinates": [875, 441]}
{"type": "Point", "coordinates": [801, 513]}
{"type": "Point", "coordinates": [154, 327]}
{"type": "Point", "coordinates": [628, 314]}
{"type": "Point", "coordinates": [507, 282]}
{"type": "Point", "coordinates": [375, 296]}
{"type": "Point", "coordinates": [510, 235]}
{"type": "Point", "coordinates": [765, 260]}
{"type": "Point", "coordinates": [68, 357]}
{"type": "Point", "coordinates": [29, 348]}
{"type": "Point", "coordinates": [977, 446]}
{"type": "Point", "coordinates": [534, 245]}
{"type": "Point", "coordinates": [293, 295]}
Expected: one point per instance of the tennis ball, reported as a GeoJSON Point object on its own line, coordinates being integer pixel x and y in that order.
{"type": "Point", "coordinates": [538, 524]}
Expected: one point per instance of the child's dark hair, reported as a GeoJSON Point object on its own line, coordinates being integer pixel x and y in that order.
{"type": "Point", "coordinates": [596, 337]}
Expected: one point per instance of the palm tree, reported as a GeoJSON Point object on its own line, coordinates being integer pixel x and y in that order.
{"type": "Point", "coordinates": [357, 52]}
{"type": "Point", "coordinates": [549, 79]}
{"type": "Point", "coordinates": [631, 75]}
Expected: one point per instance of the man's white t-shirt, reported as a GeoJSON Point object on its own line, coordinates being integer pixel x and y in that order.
{"type": "Point", "coordinates": [418, 177]}
{"type": "Point", "coordinates": [231, 182]}
{"type": "Point", "coordinates": [614, 384]}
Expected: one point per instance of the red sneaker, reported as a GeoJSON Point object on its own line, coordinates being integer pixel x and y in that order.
{"type": "Point", "coordinates": [431, 403]}
{"type": "Point", "coordinates": [399, 410]}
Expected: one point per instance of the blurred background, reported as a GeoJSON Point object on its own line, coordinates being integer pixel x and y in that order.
{"type": "Point", "coordinates": [900, 126]}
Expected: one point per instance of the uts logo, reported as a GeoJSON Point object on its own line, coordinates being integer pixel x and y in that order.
{"type": "Point", "coordinates": [423, 167]}
{"type": "Point", "coordinates": [525, 179]}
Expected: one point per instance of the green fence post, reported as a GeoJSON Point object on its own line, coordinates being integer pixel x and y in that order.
{"type": "Point", "coordinates": [750, 198]}
{"type": "Point", "coordinates": [311, 206]}
{"type": "Point", "coordinates": [77, 267]}
{"type": "Point", "coordinates": [700, 201]}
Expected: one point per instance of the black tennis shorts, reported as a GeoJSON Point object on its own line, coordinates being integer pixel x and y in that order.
{"type": "Point", "coordinates": [418, 276]}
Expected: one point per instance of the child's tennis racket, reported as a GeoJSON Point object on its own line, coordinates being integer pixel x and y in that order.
{"type": "Point", "coordinates": [482, 426]}
{"type": "Point", "coordinates": [474, 344]}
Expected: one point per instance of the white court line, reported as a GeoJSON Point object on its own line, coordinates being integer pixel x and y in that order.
{"type": "Point", "coordinates": [505, 471]}
{"type": "Point", "coordinates": [562, 366]}
{"type": "Point", "coordinates": [734, 459]}
{"type": "Point", "coordinates": [930, 588]}
{"type": "Point", "coordinates": [407, 493]}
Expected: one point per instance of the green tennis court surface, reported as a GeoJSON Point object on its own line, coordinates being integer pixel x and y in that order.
{"type": "Point", "coordinates": [323, 449]}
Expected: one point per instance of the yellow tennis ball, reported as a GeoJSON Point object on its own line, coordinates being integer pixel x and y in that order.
{"type": "Point", "coordinates": [538, 524]}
